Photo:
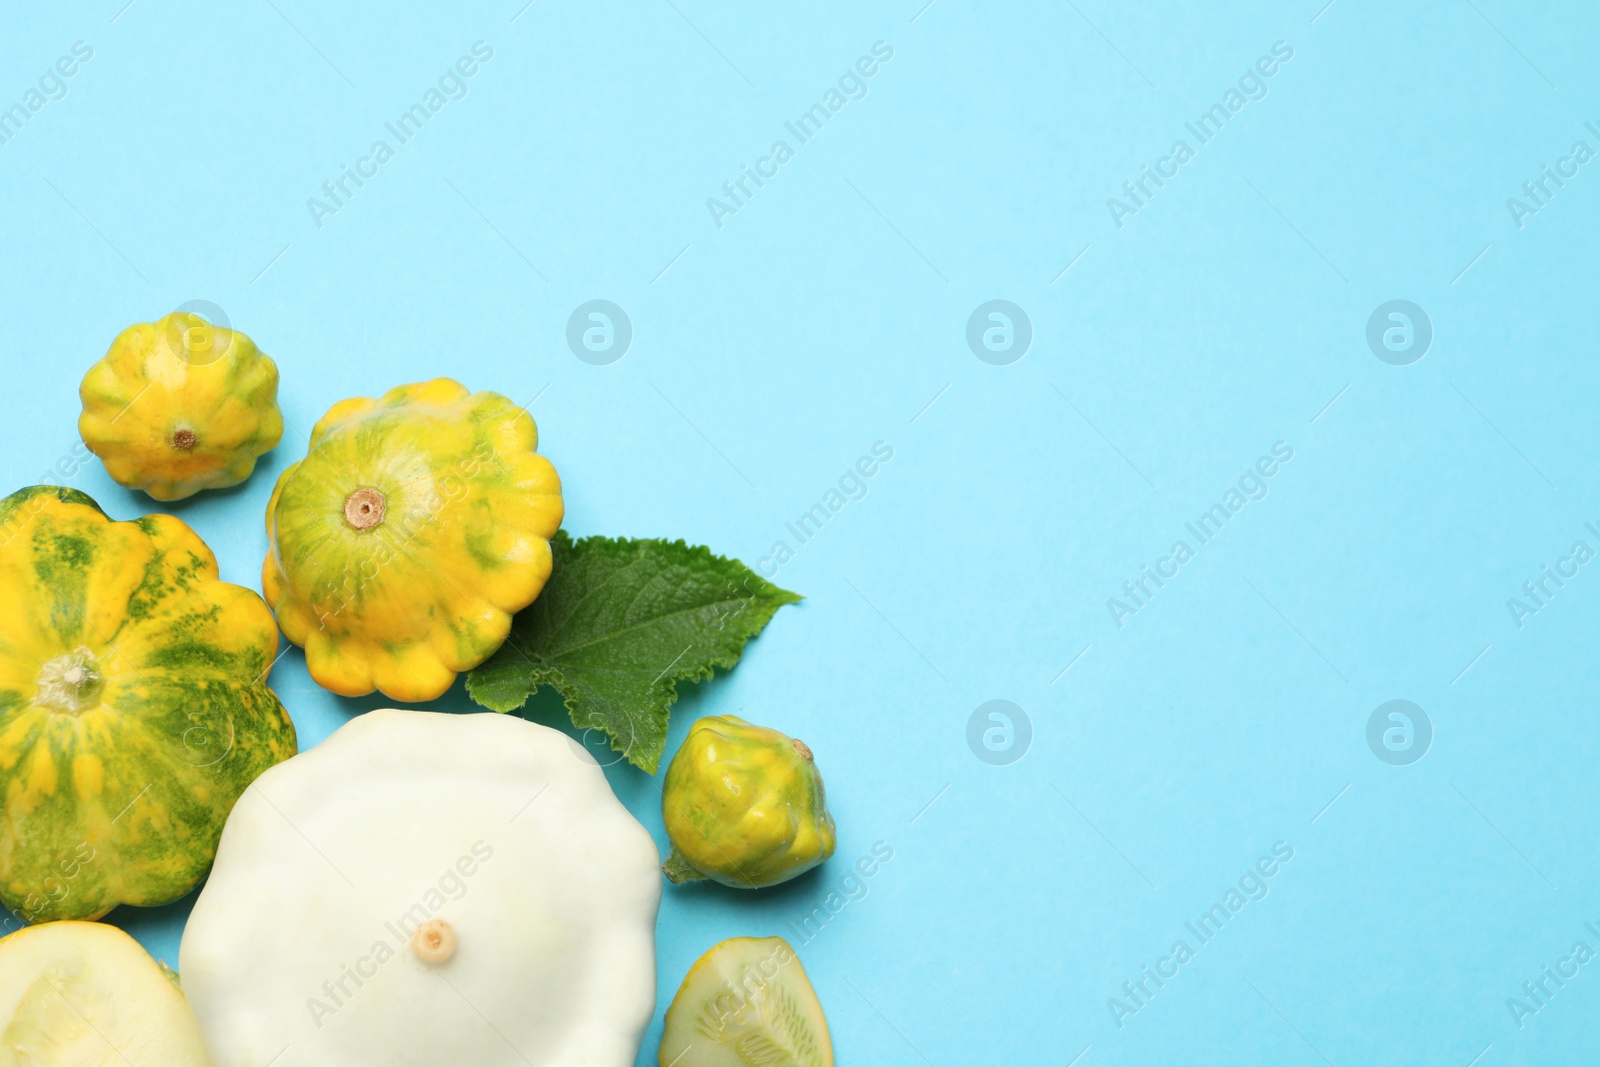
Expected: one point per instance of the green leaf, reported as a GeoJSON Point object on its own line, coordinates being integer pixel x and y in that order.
{"type": "Point", "coordinates": [618, 626]}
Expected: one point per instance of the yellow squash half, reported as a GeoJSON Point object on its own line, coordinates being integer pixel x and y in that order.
{"type": "Point", "coordinates": [80, 994]}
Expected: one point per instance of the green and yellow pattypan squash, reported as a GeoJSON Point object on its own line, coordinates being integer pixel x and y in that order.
{"type": "Point", "coordinates": [134, 707]}
{"type": "Point", "coordinates": [180, 405]}
{"type": "Point", "coordinates": [415, 527]}
{"type": "Point", "coordinates": [744, 806]}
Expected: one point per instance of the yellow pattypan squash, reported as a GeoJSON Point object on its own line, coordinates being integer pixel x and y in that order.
{"type": "Point", "coordinates": [179, 405]}
{"type": "Point", "coordinates": [400, 547]}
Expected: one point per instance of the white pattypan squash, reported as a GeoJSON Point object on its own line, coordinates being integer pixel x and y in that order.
{"type": "Point", "coordinates": [422, 890]}
{"type": "Point", "coordinates": [83, 994]}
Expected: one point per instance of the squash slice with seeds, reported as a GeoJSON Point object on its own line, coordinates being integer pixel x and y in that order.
{"type": "Point", "coordinates": [746, 1003]}
{"type": "Point", "coordinates": [78, 994]}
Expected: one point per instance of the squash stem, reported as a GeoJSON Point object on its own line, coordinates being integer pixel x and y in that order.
{"type": "Point", "coordinates": [69, 682]}
{"type": "Point", "coordinates": [677, 869]}
{"type": "Point", "coordinates": [363, 509]}
{"type": "Point", "coordinates": [434, 941]}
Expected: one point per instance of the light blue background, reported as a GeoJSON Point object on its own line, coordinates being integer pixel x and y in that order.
{"type": "Point", "coordinates": [826, 315]}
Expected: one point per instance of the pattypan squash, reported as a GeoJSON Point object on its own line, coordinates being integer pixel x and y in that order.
{"type": "Point", "coordinates": [415, 527]}
{"type": "Point", "coordinates": [744, 806]}
{"type": "Point", "coordinates": [746, 1003]}
{"type": "Point", "coordinates": [134, 707]}
{"type": "Point", "coordinates": [180, 405]}
{"type": "Point", "coordinates": [424, 889]}
{"type": "Point", "coordinates": [79, 994]}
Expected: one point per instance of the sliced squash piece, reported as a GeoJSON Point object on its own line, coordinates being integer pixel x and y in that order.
{"type": "Point", "coordinates": [84, 994]}
{"type": "Point", "coordinates": [746, 1003]}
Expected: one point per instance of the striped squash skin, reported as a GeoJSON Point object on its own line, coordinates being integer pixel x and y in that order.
{"type": "Point", "coordinates": [180, 376]}
{"type": "Point", "coordinates": [117, 795]}
{"type": "Point", "coordinates": [428, 590]}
